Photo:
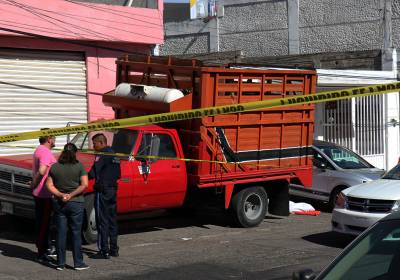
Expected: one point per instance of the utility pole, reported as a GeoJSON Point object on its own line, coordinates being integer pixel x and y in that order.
{"type": "Point", "coordinates": [293, 26]}
{"type": "Point", "coordinates": [128, 3]}
{"type": "Point", "coordinates": [391, 100]}
{"type": "Point", "coordinates": [214, 27]}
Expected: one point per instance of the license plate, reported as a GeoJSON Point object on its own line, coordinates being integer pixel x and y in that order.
{"type": "Point", "coordinates": [6, 207]}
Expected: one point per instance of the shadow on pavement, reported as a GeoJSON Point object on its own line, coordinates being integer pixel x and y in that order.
{"type": "Point", "coordinates": [203, 271]}
{"type": "Point", "coordinates": [17, 229]}
{"type": "Point", "coordinates": [172, 220]}
{"type": "Point", "coordinates": [15, 251]}
{"type": "Point", "coordinates": [330, 239]}
{"type": "Point", "coordinates": [22, 253]}
{"type": "Point", "coordinates": [23, 230]}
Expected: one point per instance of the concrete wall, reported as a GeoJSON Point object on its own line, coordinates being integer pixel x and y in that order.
{"type": "Point", "coordinates": [260, 28]}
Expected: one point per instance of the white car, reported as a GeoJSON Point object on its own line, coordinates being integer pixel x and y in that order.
{"type": "Point", "coordinates": [360, 206]}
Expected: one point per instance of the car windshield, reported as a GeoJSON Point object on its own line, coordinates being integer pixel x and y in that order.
{"type": "Point", "coordinates": [393, 174]}
{"type": "Point", "coordinates": [376, 255]}
{"type": "Point", "coordinates": [344, 158]}
{"type": "Point", "coordinates": [122, 140]}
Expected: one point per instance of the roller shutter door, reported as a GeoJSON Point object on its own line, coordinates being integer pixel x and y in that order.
{"type": "Point", "coordinates": [40, 89]}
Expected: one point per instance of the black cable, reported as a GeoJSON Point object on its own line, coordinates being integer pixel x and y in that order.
{"type": "Point", "coordinates": [64, 14]}
{"type": "Point", "coordinates": [104, 36]}
{"type": "Point", "coordinates": [40, 15]}
{"type": "Point", "coordinates": [119, 13]}
{"type": "Point", "coordinates": [68, 41]}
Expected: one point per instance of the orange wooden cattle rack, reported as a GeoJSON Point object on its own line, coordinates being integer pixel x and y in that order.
{"type": "Point", "coordinates": [265, 143]}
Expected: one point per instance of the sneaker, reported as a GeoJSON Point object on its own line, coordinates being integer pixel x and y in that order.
{"type": "Point", "coordinates": [60, 268]}
{"type": "Point", "coordinates": [81, 267]}
{"type": "Point", "coordinates": [51, 252]}
{"type": "Point", "coordinates": [101, 255]}
{"type": "Point", "coordinates": [44, 259]}
{"type": "Point", "coordinates": [114, 254]}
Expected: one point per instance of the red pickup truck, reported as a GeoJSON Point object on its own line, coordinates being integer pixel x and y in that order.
{"type": "Point", "coordinates": [242, 161]}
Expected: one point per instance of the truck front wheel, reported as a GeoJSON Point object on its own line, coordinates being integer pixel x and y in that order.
{"type": "Point", "coordinates": [89, 230]}
{"type": "Point", "coordinates": [249, 206]}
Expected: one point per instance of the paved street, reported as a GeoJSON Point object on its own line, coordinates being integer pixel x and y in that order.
{"type": "Point", "coordinates": [174, 247]}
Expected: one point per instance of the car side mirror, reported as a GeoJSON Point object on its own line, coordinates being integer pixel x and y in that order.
{"type": "Point", "coordinates": [305, 274]}
{"type": "Point", "coordinates": [320, 164]}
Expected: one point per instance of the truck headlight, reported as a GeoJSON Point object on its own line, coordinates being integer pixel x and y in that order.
{"type": "Point", "coordinates": [341, 201]}
{"type": "Point", "coordinates": [396, 206]}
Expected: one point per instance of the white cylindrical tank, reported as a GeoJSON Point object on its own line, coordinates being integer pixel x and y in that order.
{"type": "Point", "coordinates": [151, 93]}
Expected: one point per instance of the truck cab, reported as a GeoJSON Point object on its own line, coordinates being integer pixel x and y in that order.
{"type": "Point", "coordinates": [147, 154]}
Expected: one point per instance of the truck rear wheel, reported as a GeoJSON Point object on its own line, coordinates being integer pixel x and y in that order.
{"type": "Point", "coordinates": [249, 206]}
{"type": "Point", "coordinates": [89, 230]}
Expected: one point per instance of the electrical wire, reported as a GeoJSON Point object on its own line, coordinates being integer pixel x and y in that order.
{"type": "Point", "coordinates": [104, 36]}
{"type": "Point", "coordinates": [119, 13]}
{"type": "Point", "coordinates": [47, 18]}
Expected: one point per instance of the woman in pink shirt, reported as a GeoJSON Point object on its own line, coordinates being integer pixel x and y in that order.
{"type": "Point", "coordinates": [42, 161]}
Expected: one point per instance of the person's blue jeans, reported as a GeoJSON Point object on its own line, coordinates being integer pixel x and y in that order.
{"type": "Point", "coordinates": [69, 215]}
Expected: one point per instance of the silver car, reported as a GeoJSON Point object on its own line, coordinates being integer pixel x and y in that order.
{"type": "Point", "coordinates": [335, 168]}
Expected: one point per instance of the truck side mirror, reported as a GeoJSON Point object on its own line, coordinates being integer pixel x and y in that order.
{"type": "Point", "coordinates": [305, 274]}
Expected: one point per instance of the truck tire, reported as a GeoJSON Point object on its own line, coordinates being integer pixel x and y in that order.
{"type": "Point", "coordinates": [249, 206]}
{"type": "Point", "coordinates": [89, 229]}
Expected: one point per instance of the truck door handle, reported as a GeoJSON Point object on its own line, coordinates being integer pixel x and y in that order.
{"type": "Point", "coordinates": [176, 166]}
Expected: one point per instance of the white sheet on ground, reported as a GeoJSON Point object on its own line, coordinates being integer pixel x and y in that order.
{"type": "Point", "coordinates": [299, 206]}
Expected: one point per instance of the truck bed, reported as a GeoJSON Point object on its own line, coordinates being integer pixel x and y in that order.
{"type": "Point", "coordinates": [272, 142]}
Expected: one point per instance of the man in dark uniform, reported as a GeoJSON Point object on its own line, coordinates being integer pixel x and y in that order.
{"type": "Point", "coordinates": [106, 172]}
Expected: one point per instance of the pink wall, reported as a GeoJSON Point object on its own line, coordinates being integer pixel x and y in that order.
{"type": "Point", "coordinates": [82, 21]}
{"type": "Point", "coordinates": [100, 65]}
{"type": "Point", "coordinates": [83, 27]}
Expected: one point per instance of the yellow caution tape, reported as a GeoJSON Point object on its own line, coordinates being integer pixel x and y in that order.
{"type": "Point", "coordinates": [210, 111]}
{"type": "Point", "coordinates": [123, 155]}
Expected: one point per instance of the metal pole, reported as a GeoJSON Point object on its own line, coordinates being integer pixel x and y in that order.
{"type": "Point", "coordinates": [128, 3]}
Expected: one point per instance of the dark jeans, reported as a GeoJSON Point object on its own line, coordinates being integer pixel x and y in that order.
{"type": "Point", "coordinates": [106, 220]}
{"type": "Point", "coordinates": [43, 209]}
{"type": "Point", "coordinates": [69, 215]}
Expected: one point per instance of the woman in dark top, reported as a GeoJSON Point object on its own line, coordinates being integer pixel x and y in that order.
{"type": "Point", "coordinates": [66, 181]}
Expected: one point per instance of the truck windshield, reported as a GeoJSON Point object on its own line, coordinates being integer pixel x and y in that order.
{"type": "Point", "coordinates": [344, 158]}
{"type": "Point", "coordinates": [122, 140]}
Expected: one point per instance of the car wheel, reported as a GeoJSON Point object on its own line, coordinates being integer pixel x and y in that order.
{"type": "Point", "coordinates": [249, 206]}
{"type": "Point", "coordinates": [89, 230]}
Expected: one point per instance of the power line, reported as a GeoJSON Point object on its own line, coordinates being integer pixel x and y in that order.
{"type": "Point", "coordinates": [46, 18]}
{"type": "Point", "coordinates": [68, 41]}
{"type": "Point", "coordinates": [119, 13]}
{"type": "Point", "coordinates": [104, 36]}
